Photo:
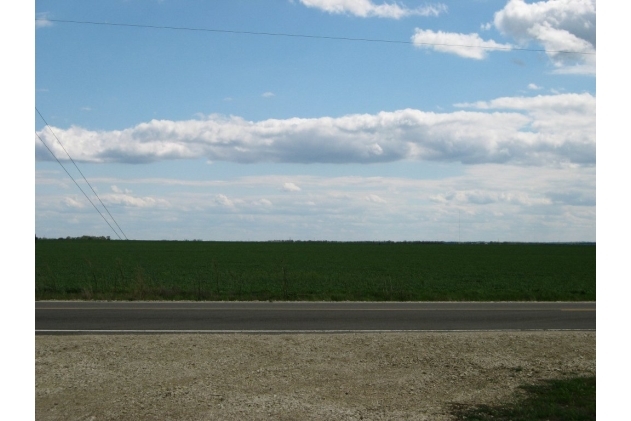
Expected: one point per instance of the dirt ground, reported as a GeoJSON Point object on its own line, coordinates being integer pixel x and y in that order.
{"type": "Point", "coordinates": [369, 376]}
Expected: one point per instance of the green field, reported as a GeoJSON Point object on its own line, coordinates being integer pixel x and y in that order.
{"type": "Point", "coordinates": [411, 271]}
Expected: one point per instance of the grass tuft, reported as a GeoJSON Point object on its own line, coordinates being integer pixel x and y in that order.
{"type": "Point", "coordinates": [572, 399]}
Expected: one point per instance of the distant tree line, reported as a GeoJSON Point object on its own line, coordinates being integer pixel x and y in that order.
{"type": "Point", "coordinates": [83, 237]}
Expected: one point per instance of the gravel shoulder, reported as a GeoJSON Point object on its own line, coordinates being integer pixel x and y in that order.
{"type": "Point", "coordinates": [369, 376]}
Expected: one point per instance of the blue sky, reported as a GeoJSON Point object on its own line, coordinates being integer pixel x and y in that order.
{"type": "Point", "coordinates": [229, 136]}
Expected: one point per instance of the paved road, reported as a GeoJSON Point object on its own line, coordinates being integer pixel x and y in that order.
{"type": "Point", "coordinates": [154, 317]}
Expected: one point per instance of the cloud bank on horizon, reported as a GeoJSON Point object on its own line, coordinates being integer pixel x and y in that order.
{"type": "Point", "coordinates": [540, 130]}
{"type": "Point", "coordinates": [522, 205]}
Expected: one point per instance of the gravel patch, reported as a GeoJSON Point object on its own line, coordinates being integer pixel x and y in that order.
{"type": "Point", "coordinates": [359, 376]}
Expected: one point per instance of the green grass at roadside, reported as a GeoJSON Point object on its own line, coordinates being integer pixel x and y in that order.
{"type": "Point", "coordinates": [572, 399]}
{"type": "Point", "coordinates": [362, 271]}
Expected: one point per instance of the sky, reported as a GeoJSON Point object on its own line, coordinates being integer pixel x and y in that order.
{"type": "Point", "coordinates": [429, 121]}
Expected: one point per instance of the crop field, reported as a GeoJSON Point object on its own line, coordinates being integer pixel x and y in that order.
{"type": "Point", "coordinates": [360, 271]}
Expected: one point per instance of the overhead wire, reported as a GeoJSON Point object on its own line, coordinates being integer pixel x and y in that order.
{"type": "Point", "coordinates": [326, 37]}
{"type": "Point", "coordinates": [75, 181]}
{"type": "Point", "coordinates": [84, 178]}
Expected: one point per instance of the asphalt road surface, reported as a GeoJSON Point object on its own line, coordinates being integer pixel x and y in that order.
{"type": "Point", "coordinates": [54, 317]}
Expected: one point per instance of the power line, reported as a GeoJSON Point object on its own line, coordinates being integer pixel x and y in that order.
{"type": "Point", "coordinates": [280, 34]}
{"type": "Point", "coordinates": [86, 180]}
{"type": "Point", "coordinates": [75, 181]}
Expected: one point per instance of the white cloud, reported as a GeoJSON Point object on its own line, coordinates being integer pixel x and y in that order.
{"type": "Point", "coordinates": [366, 8]}
{"type": "Point", "coordinates": [291, 187]}
{"type": "Point", "coordinates": [223, 200]}
{"type": "Point", "coordinates": [486, 197]}
{"type": "Point", "coordinates": [486, 26]}
{"type": "Point", "coordinates": [577, 69]}
{"type": "Point", "coordinates": [116, 189]}
{"type": "Point", "coordinates": [374, 198]}
{"type": "Point", "coordinates": [534, 87]}
{"type": "Point", "coordinates": [463, 45]}
{"type": "Point", "coordinates": [262, 202]}
{"type": "Point", "coordinates": [584, 104]}
{"type": "Point", "coordinates": [73, 203]}
{"type": "Point", "coordinates": [541, 130]}
{"type": "Point", "coordinates": [268, 94]}
{"type": "Point", "coordinates": [125, 198]}
{"type": "Point", "coordinates": [558, 25]}
{"type": "Point", "coordinates": [556, 119]}
{"type": "Point", "coordinates": [42, 20]}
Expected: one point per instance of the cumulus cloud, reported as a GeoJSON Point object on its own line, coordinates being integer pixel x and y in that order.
{"type": "Point", "coordinates": [116, 189]}
{"type": "Point", "coordinates": [463, 45]}
{"type": "Point", "coordinates": [125, 198]}
{"type": "Point", "coordinates": [262, 202]}
{"type": "Point", "coordinates": [73, 203]}
{"type": "Point", "coordinates": [558, 25]}
{"type": "Point", "coordinates": [42, 21]}
{"type": "Point", "coordinates": [540, 130]}
{"type": "Point", "coordinates": [291, 187]}
{"type": "Point", "coordinates": [267, 94]}
{"type": "Point", "coordinates": [222, 199]}
{"type": "Point", "coordinates": [555, 118]}
{"type": "Point", "coordinates": [534, 87]}
{"type": "Point", "coordinates": [573, 198]}
{"type": "Point", "coordinates": [486, 197]}
{"type": "Point", "coordinates": [374, 198]}
{"type": "Point", "coordinates": [366, 8]}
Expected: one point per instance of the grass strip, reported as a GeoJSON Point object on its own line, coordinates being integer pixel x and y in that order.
{"type": "Point", "coordinates": [572, 399]}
